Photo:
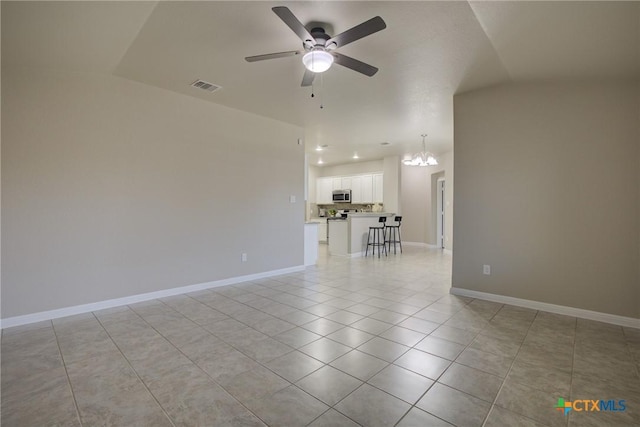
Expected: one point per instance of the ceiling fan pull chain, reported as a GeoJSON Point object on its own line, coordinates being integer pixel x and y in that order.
{"type": "Point", "coordinates": [321, 91]}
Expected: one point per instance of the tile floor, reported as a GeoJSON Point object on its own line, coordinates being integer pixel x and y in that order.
{"type": "Point", "coordinates": [371, 342]}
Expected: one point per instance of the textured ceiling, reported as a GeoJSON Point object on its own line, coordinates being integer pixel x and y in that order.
{"type": "Point", "coordinates": [428, 52]}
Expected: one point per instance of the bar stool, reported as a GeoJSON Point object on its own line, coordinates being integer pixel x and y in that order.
{"type": "Point", "coordinates": [393, 235]}
{"type": "Point", "coordinates": [377, 241]}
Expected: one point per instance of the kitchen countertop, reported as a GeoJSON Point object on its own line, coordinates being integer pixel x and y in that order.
{"type": "Point", "coordinates": [370, 214]}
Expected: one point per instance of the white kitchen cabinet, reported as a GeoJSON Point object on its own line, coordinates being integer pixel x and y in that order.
{"type": "Point", "coordinates": [324, 191]}
{"type": "Point", "coordinates": [336, 183]}
{"type": "Point", "coordinates": [356, 189]}
{"type": "Point", "coordinates": [367, 188]}
{"type": "Point", "coordinates": [346, 183]}
{"type": "Point", "coordinates": [377, 188]}
{"type": "Point", "coordinates": [322, 231]}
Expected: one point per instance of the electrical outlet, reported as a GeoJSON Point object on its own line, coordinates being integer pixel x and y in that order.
{"type": "Point", "coordinates": [486, 269]}
{"type": "Point", "coordinates": [244, 257]}
{"type": "Point", "coordinates": [292, 199]}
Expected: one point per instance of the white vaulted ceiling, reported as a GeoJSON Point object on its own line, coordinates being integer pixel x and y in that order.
{"type": "Point", "coordinates": [428, 52]}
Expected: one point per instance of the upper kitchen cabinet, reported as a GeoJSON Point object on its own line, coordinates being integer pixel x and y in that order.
{"type": "Point", "coordinates": [336, 183]}
{"type": "Point", "coordinates": [356, 189]}
{"type": "Point", "coordinates": [347, 183]}
{"type": "Point", "coordinates": [366, 191]}
{"type": "Point", "coordinates": [324, 191]}
{"type": "Point", "coordinates": [377, 188]}
{"type": "Point", "coordinates": [365, 188]}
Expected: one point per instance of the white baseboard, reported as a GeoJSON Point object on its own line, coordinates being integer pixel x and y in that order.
{"type": "Point", "coordinates": [352, 255]}
{"type": "Point", "coordinates": [418, 244]}
{"type": "Point", "coordinates": [117, 302]}
{"type": "Point", "coordinates": [552, 308]}
{"type": "Point", "coordinates": [427, 245]}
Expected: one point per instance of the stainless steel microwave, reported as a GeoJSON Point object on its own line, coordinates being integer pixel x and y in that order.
{"type": "Point", "coordinates": [342, 196]}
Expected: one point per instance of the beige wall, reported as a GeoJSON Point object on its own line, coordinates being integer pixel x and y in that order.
{"type": "Point", "coordinates": [418, 201]}
{"type": "Point", "coordinates": [111, 188]}
{"type": "Point", "coordinates": [547, 193]}
{"type": "Point", "coordinates": [391, 184]}
{"type": "Point", "coordinates": [351, 168]}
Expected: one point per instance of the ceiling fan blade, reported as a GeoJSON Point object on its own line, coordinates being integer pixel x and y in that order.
{"type": "Point", "coordinates": [272, 56]}
{"type": "Point", "coordinates": [289, 18]}
{"type": "Point", "coordinates": [308, 77]}
{"type": "Point", "coordinates": [371, 26]}
{"type": "Point", "coordinates": [354, 64]}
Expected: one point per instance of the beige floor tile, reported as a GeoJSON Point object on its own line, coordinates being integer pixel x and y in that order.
{"type": "Point", "coordinates": [350, 336]}
{"type": "Point", "coordinates": [186, 348]}
{"type": "Point", "coordinates": [323, 326]}
{"type": "Point", "coordinates": [265, 350]}
{"type": "Point", "coordinates": [297, 337]}
{"type": "Point", "coordinates": [289, 407]}
{"type": "Point", "coordinates": [472, 381]}
{"type": "Point", "coordinates": [344, 317]}
{"type": "Point", "coordinates": [371, 326]}
{"type": "Point", "coordinates": [454, 406]}
{"type": "Point", "coordinates": [457, 335]}
{"type": "Point", "coordinates": [325, 350]}
{"type": "Point", "coordinates": [294, 365]}
{"type": "Point", "coordinates": [389, 316]}
{"type": "Point", "coordinates": [369, 406]}
{"type": "Point", "coordinates": [419, 325]}
{"type": "Point", "coordinates": [48, 403]}
{"type": "Point", "coordinates": [226, 366]}
{"type": "Point", "coordinates": [440, 347]}
{"type": "Point", "coordinates": [329, 384]}
{"type": "Point", "coordinates": [531, 403]}
{"type": "Point", "coordinates": [191, 398]}
{"type": "Point", "coordinates": [333, 418]}
{"type": "Point", "coordinates": [491, 344]}
{"type": "Point", "coordinates": [540, 377]}
{"type": "Point", "coordinates": [419, 418]}
{"type": "Point", "coordinates": [254, 384]}
{"type": "Point", "coordinates": [423, 363]}
{"type": "Point", "coordinates": [363, 309]}
{"type": "Point", "coordinates": [384, 349]}
{"type": "Point", "coordinates": [500, 417]}
{"type": "Point", "coordinates": [403, 336]}
{"type": "Point", "coordinates": [488, 362]}
{"type": "Point", "coordinates": [359, 364]}
{"type": "Point", "coordinates": [401, 383]}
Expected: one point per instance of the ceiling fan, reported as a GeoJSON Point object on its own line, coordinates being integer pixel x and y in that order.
{"type": "Point", "coordinates": [319, 47]}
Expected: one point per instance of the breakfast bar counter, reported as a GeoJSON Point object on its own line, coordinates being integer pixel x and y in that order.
{"type": "Point", "coordinates": [349, 238]}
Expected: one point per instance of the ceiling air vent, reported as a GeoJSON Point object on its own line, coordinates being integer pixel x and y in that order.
{"type": "Point", "coordinates": [201, 84]}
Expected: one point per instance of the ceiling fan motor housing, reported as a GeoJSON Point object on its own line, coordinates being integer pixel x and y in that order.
{"type": "Point", "coordinates": [320, 38]}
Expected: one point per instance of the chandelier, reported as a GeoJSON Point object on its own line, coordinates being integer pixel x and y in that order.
{"type": "Point", "coordinates": [423, 158]}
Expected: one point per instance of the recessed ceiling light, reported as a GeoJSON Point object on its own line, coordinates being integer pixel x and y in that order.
{"type": "Point", "coordinates": [321, 147]}
{"type": "Point", "coordinates": [385, 143]}
{"type": "Point", "coordinates": [320, 162]}
{"type": "Point", "coordinates": [355, 156]}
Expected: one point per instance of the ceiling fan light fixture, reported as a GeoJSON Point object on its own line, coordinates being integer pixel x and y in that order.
{"type": "Point", "coordinates": [317, 60]}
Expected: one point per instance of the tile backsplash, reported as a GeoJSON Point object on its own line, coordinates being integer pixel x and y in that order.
{"type": "Point", "coordinates": [344, 206]}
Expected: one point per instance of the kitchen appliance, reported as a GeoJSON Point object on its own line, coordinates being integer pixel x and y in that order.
{"type": "Point", "coordinates": [341, 196]}
{"type": "Point", "coordinates": [322, 212]}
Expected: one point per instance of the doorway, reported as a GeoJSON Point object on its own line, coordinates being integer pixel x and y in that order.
{"type": "Point", "coordinates": [440, 209]}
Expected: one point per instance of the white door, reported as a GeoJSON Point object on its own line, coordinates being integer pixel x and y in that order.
{"type": "Point", "coordinates": [440, 213]}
